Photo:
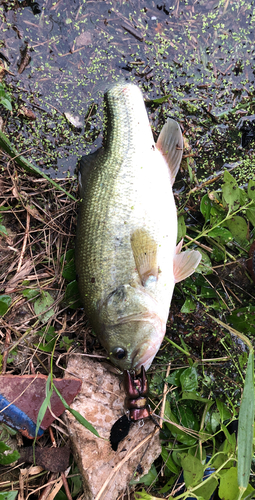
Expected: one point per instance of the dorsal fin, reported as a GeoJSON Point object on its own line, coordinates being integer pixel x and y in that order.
{"type": "Point", "coordinates": [170, 144]}
{"type": "Point", "coordinates": [145, 254]}
{"type": "Point", "coordinates": [86, 164]}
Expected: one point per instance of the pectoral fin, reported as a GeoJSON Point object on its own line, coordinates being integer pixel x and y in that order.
{"type": "Point", "coordinates": [170, 144]}
{"type": "Point", "coordinates": [185, 264]}
{"type": "Point", "coordinates": [145, 254]}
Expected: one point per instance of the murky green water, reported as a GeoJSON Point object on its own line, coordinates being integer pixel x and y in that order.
{"type": "Point", "coordinates": [201, 54]}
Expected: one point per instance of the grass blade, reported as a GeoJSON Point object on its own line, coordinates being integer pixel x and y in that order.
{"type": "Point", "coordinates": [245, 427]}
{"type": "Point", "coordinates": [8, 148]}
{"type": "Point", "coordinates": [77, 415]}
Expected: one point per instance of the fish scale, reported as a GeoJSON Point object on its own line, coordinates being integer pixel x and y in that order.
{"type": "Point", "coordinates": [126, 232]}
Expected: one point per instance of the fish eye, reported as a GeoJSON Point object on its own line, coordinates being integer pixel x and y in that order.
{"type": "Point", "coordinates": [119, 353]}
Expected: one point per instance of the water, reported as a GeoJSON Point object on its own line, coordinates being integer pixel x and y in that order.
{"type": "Point", "coordinates": [61, 60]}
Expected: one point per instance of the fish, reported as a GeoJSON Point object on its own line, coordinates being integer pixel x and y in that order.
{"type": "Point", "coordinates": [126, 257]}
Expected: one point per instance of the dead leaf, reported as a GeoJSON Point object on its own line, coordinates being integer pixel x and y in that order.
{"type": "Point", "coordinates": [84, 38]}
{"type": "Point", "coordinates": [20, 276]}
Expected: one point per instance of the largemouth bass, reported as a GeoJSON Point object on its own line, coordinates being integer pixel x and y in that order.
{"type": "Point", "coordinates": [126, 257]}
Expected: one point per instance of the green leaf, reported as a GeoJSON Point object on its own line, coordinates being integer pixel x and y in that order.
{"type": "Point", "coordinates": [45, 404]}
{"type": "Point", "coordinates": [228, 489]}
{"type": "Point", "coordinates": [238, 228]}
{"type": "Point", "coordinates": [174, 378]}
{"type": "Point", "coordinates": [4, 447]}
{"type": "Point", "coordinates": [9, 458]}
{"type": "Point", "coordinates": [224, 412]}
{"type": "Point", "coordinates": [72, 296]}
{"type": "Point", "coordinates": [231, 191]}
{"type": "Point", "coordinates": [188, 306]}
{"type": "Point", "coordinates": [142, 495]}
{"type": "Point", "coordinates": [206, 490]}
{"type": "Point", "coordinates": [251, 189]}
{"type": "Point", "coordinates": [168, 461]}
{"type": "Point", "coordinates": [149, 478]}
{"type": "Point", "coordinates": [245, 426]}
{"type": "Point", "coordinates": [193, 470]}
{"type": "Point", "coordinates": [8, 495]}
{"type": "Point", "coordinates": [31, 293]}
{"type": "Point", "coordinates": [189, 380]}
{"type": "Point", "coordinates": [77, 415]}
{"type": "Point", "coordinates": [42, 304]}
{"type": "Point", "coordinates": [48, 342]}
{"type": "Point", "coordinates": [221, 234]}
{"type": "Point", "coordinates": [6, 103]}
{"type": "Point", "coordinates": [243, 320]}
{"type": "Point", "coordinates": [69, 271]}
{"type": "Point", "coordinates": [5, 302]}
{"type": "Point", "coordinates": [181, 228]}
{"type": "Point", "coordinates": [205, 266]}
{"type": "Point", "coordinates": [205, 207]}
{"type": "Point", "coordinates": [3, 230]}
{"type": "Point", "coordinates": [180, 435]}
{"type": "Point", "coordinates": [250, 214]}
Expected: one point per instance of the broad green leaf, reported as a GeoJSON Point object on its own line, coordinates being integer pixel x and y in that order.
{"type": "Point", "coordinates": [250, 214]}
{"type": "Point", "coordinates": [228, 489]}
{"type": "Point", "coordinates": [189, 380]}
{"type": "Point", "coordinates": [224, 412]}
{"type": "Point", "coordinates": [217, 215]}
{"type": "Point", "coordinates": [8, 495]}
{"type": "Point", "coordinates": [42, 304]}
{"type": "Point", "coordinates": [243, 320]}
{"type": "Point", "coordinates": [174, 379]}
{"type": "Point", "coordinates": [181, 228]}
{"type": "Point", "coordinates": [242, 359]}
{"type": "Point", "coordinates": [217, 254]}
{"type": "Point", "coordinates": [206, 490]}
{"type": "Point", "coordinates": [77, 415]}
{"type": "Point", "coordinates": [231, 191]}
{"type": "Point", "coordinates": [9, 458]}
{"type": "Point", "coordinates": [69, 272]}
{"type": "Point", "coordinates": [205, 207]}
{"type": "Point", "coordinates": [3, 230]}
{"type": "Point", "coordinates": [4, 447]}
{"type": "Point", "coordinates": [180, 435]}
{"type": "Point", "coordinates": [72, 296]}
{"type": "Point", "coordinates": [215, 421]}
{"type": "Point", "coordinates": [149, 478]}
{"type": "Point", "coordinates": [245, 426]}
{"type": "Point", "coordinates": [5, 302]}
{"type": "Point", "coordinates": [207, 292]}
{"type": "Point", "coordinates": [188, 306]}
{"type": "Point", "coordinates": [168, 461]}
{"type": "Point", "coordinates": [193, 470]}
{"type": "Point", "coordinates": [142, 495]}
{"type": "Point", "coordinates": [251, 189]}
{"type": "Point", "coordinates": [6, 103]}
{"type": "Point", "coordinates": [31, 293]}
{"type": "Point", "coordinates": [238, 228]}
{"type": "Point", "coordinates": [196, 397]}
{"type": "Point", "coordinates": [49, 338]}
{"type": "Point", "coordinates": [205, 266]}
{"type": "Point", "coordinates": [221, 234]}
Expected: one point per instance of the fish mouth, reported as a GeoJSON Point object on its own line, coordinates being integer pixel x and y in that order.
{"type": "Point", "coordinates": [145, 356]}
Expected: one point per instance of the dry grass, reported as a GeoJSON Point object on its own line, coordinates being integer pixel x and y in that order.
{"type": "Point", "coordinates": [40, 223]}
